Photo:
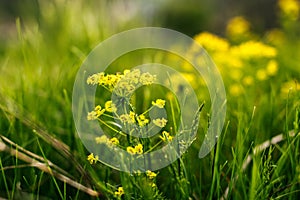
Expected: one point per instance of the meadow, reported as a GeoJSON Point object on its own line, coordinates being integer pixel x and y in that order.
{"type": "Point", "coordinates": [257, 155]}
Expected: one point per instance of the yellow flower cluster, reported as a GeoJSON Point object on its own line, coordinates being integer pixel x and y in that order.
{"type": "Point", "coordinates": [159, 103]}
{"type": "Point", "coordinates": [138, 149]}
{"type": "Point", "coordinates": [212, 42]}
{"type": "Point", "coordinates": [253, 49]}
{"type": "Point", "coordinates": [160, 122]}
{"type": "Point", "coordinates": [92, 159]}
{"type": "Point", "coordinates": [103, 139]}
{"type": "Point", "coordinates": [125, 83]}
{"type": "Point", "coordinates": [150, 174]}
{"type": "Point", "coordinates": [110, 107]}
{"type": "Point", "coordinates": [166, 137]}
{"type": "Point", "coordinates": [142, 120]}
{"type": "Point", "coordinates": [97, 112]}
{"type": "Point", "coordinates": [128, 118]}
{"type": "Point", "coordinates": [119, 192]}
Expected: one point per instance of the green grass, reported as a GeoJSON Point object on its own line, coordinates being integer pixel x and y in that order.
{"type": "Point", "coordinates": [42, 157]}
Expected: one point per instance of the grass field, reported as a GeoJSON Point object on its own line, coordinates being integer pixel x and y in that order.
{"type": "Point", "coordinates": [257, 156]}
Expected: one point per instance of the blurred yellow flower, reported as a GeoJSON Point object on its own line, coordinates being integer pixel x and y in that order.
{"type": "Point", "coordinates": [160, 122]}
{"type": "Point", "coordinates": [272, 67]}
{"type": "Point", "coordinates": [248, 80]}
{"type": "Point", "coordinates": [290, 8]}
{"type": "Point", "coordinates": [237, 26]}
{"type": "Point", "coordinates": [253, 49]}
{"type": "Point", "coordinates": [102, 139]}
{"type": "Point", "coordinates": [261, 74]}
{"type": "Point", "coordinates": [275, 36]}
{"type": "Point", "coordinates": [212, 42]}
{"type": "Point", "coordinates": [235, 90]}
{"type": "Point", "coordinates": [289, 87]}
{"type": "Point", "coordinates": [142, 120]}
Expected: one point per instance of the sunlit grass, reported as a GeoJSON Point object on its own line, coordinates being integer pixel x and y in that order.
{"type": "Point", "coordinates": [42, 156]}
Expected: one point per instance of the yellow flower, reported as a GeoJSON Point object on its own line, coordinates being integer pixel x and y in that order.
{"type": "Point", "coordinates": [129, 118]}
{"type": "Point", "coordinates": [212, 42]}
{"type": "Point", "coordinates": [272, 68]}
{"type": "Point", "coordinates": [97, 112]}
{"type": "Point", "coordinates": [289, 86]}
{"type": "Point", "coordinates": [237, 26]}
{"type": "Point", "coordinates": [253, 49]}
{"type": "Point", "coordinates": [147, 78]}
{"type": "Point", "coordinates": [261, 74]}
{"type": "Point", "coordinates": [101, 140]}
{"type": "Point", "coordinates": [110, 107]}
{"type": "Point", "coordinates": [290, 8]}
{"type": "Point", "coordinates": [138, 149]}
{"type": "Point", "coordinates": [95, 78]}
{"type": "Point", "coordinates": [160, 122]}
{"type": "Point", "coordinates": [159, 103]}
{"type": "Point", "coordinates": [248, 80]}
{"type": "Point", "coordinates": [120, 192]}
{"type": "Point", "coordinates": [142, 120]}
{"type": "Point", "coordinates": [166, 136]}
{"type": "Point", "coordinates": [92, 159]}
{"type": "Point", "coordinates": [131, 150]}
{"type": "Point", "coordinates": [150, 175]}
{"type": "Point", "coordinates": [114, 141]}
{"type": "Point", "coordinates": [235, 90]}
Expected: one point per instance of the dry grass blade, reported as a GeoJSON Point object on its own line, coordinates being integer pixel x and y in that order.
{"type": "Point", "coordinates": [12, 109]}
{"type": "Point", "coordinates": [48, 167]}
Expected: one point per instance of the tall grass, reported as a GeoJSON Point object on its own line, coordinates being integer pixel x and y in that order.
{"type": "Point", "coordinates": [42, 157]}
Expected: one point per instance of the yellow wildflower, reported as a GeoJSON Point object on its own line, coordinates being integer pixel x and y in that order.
{"type": "Point", "coordinates": [114, 141]}
{"type": "Point", "coordinates": [290, 8]}
{"type": "Point", "coordinates": [289, 86]}
{"type": "Point", "coordinates": [147, 78]}
{"type": "Point", "coordinates": [235, 90]}
{"type": "Point", "coordinates": [131, 150]}
{"type": "Point", "coordinates": [120, 192]}
{"type": "Point", "coordinates": [253, 49]}
{"type": "Point", "coordinates": [102, 139]}
{"type": "Point", "coordinates": [150, 174]}
{"type": "Point", "coordinates": [97, 112]}
{"type": "Point", "coordinates": [142, 121]}
{"type": "Point", "coordinates": [95, 78]}
{"type": "Point", "coordinates": [166, 136]}
{"type": "Point", "coordinates": [110, 107]}
{"type": "Point", "coordinates": [92, 159]}
{"type": "Point", "coordinates": [138, 149]}
{"type": "Point", "coordinates": [160, 122]}
{"type": "Point", "coordinates": [261, 74]}
{"type": "Point", "coordinates": [129, 118]}
{"type": "Point", "coordinates": [237, 26]}
{"type": "Point", "coordinates": [272, 68]}
{"type": "Point", "coordinates": [248, 80]}
{"type": "Point", "coordinates": [212, 42]}
{"type": "Point", "coordinates": [159, 103]}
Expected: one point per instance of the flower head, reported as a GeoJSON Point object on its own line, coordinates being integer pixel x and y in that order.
{"type": "Point", "coordinates": [166, 136]}
{"type": "Point", "coordinates": [110, 106]}
{"type": "Point", "coordinates": [97, 112]}
{"type": "Point", "coordinates": [150, 174]}
{"type": "Point", "coordinates": [92, 159]}
{"type": "Point", "coordinates": [159, 103]}
{"type": "Point", "coordinates": [138, 149]}
{"type": "Point", "coordinates": [160, 122]}
{"type": "Point", "coordinates": [119, 192]}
